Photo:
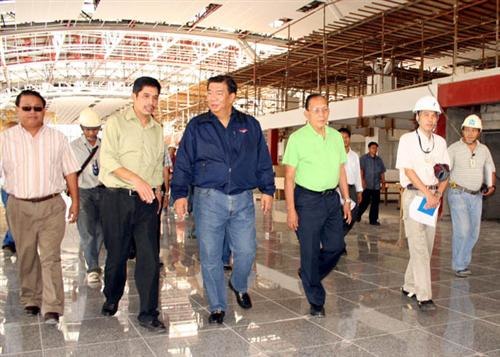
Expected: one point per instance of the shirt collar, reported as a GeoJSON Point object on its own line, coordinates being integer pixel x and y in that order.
{"type": "Point", "coordinates": [424, 137]}
{"type": "Point", "coordinates": [328, 130]}
{"type": "Point", "coordinates": [87, 144]}
{"type": "Point", "coordinates": [26, 132]}
{"type": "Point", "coordinates": [211, 117]}
{"type": "Point", "coordinates": [130, 115]}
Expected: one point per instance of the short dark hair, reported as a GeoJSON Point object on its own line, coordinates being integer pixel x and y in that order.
{"type": "Point", "coordinates": [312, 96]}
{"type": "Point", "coordinates": [345, 130]}
{"type": "Point", "coordinates": [232, 87]}
{"type": "Point", "coordinates": [142, 82]}
{"type": "Point", "coordinates": [372, 143]}
{"type": "Point", "coordinates": [30, 92]}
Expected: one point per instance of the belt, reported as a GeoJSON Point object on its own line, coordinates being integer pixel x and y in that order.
{"type": "Point", "coordinates": [454, 186]}
{"type": "Point", "coordinates": [38, 199]}
{"type": "Point", "coordinates": [411, 187]}
{"type": "Point", "coordinates": [126, 191]}
{"type": "Point", "coordinates": [351, 185]}
{"type": "Point", "coordinates": [322, 193]}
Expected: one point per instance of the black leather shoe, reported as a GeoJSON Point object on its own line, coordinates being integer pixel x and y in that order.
{"type": "Point", "coordinates": [375, 223]}
{"type": "Point", "coordinates": [109, 309]}
{"type": "Point", "coordinates": [243, 299]}
{"type": "Point", "coordinates": [51, 318]}
{"type": "Point", "coordinates": [32, 310]}
{"type": "Point", "coordinates": [153, 325]}
{"type": "Point", "coordinates": [10, 248]}
{"type": "Point", "coordinates": [216, 316]}
{"type": "Point", "coordinates": [317, 310]}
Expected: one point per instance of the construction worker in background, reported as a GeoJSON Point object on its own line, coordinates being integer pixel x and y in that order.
{"type": "Point", "coordinates": [421, 154]}
{"type": "Point", "coordinates": [86, 149]}
{"type": "Point", "coordinates": [470, 162]}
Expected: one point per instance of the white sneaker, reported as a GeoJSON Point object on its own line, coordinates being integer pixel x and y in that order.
{"type": "Point", "coordinates": [93, 277]}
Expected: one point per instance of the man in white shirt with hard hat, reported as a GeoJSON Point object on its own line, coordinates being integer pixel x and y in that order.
{"type": "Point", "coordinates": [471, 165]}
{"type": "Point", "coordinates": [422, 161]}
{"type": "Point", "coordinates": [86, 149]}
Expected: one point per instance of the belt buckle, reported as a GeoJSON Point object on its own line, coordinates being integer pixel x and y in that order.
{"type": "Point", "coordinates": [131, 192]}
{"type": "Point", "coordinates": [453, 185]}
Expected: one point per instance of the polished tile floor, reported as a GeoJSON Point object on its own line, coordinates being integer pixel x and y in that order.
{"type": "Point", "coordinates": [366, 315]}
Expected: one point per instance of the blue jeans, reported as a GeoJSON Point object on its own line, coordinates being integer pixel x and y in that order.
{"type": "Point", "coordinates": [465, 212]}
{"type": "Point", "coordinates": [218, 215]}
{"type": "Point", "coordinates": [8, 240]}
{"type": "Point", "coordinates": [89, 227]}
{"type": "Point", "coordinates": [321, 238]}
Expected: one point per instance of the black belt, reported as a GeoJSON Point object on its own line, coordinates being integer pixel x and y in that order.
{"type": "Point", "coordinates": [322, 193]}
{"type": "Point", "coordinates": [38, 199]}
{"type": "Point", "coordinates": [411, 187]}
{"type": "Point", "coordinates": [351, 185]}
{"type": "Point", "coordinates": [454, 186]}
{"type": "Point", "coordinates": [126, 191]}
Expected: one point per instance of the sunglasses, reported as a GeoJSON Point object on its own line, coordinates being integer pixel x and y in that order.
{"type": "Point", "coordinates": [28, 109]}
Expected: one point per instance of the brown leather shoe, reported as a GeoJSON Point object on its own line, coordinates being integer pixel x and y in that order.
{"type": "Point", "coordinates": [51, 318]}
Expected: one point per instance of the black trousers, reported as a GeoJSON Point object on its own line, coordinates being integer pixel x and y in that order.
{"type": "Point", "coordinates": [321, 239]}
{"type": "Point", "coordinates": [372, 198]}
{"type": "Point", "coordinates": [353, 195]}
{"type": "Point", "coordinates": [126, 220]}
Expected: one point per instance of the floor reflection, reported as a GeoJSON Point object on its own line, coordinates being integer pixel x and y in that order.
{"type": "Point", "coordinates": [366, 314]}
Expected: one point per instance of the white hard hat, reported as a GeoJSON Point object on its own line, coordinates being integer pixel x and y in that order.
{"type": "Point", "coordinates": [89, 119]}
{"type": "Point", "coordinates": [472, 121]}
{"type": "Point", "coordinates": [427, 103]}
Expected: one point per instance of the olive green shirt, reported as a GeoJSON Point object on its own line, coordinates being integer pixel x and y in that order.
{"type": "Point", "coordinates": [316, 160]}
{"type": "Point", "coordinates": [126, 143]}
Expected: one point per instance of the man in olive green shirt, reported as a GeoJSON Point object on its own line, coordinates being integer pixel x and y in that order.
{"type": "Point", "coordinates": [131, 169]}
{"type": "Point", "coordinates": [314, 159]}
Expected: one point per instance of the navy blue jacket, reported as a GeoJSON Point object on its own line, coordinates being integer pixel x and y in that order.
{"type": "Point", "coordinates": [231, 160]}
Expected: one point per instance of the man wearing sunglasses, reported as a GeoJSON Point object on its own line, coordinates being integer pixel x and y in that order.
{"type": "Point", "coordinates": [86, 149]}
{"type": "Point", "coordinates": [38, 164]}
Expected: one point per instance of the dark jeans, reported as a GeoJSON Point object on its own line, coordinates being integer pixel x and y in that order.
{"type": "Point", "coordinates": [8, 240]}
{"type": "Point", "coordinates": [373, 197]}
{"type": "Point", "coordinates": [321, 239]}
{"type": "Point", "coordinates": [127, 219]}
{"type": "Point", "coordinates": [89, 226]}
{"type": "Point", "coordinates": [354, 212]}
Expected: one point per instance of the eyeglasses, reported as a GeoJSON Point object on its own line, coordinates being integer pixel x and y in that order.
{"type": "Point", "coordinates": [28, 109]}
{"type": "Point", "coordinates": [318, 110]}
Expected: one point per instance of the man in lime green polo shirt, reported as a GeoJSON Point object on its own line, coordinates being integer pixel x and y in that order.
{"type": "Point", "coordinates": [314, 159]}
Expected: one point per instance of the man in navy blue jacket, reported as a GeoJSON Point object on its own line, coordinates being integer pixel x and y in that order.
{"type": "Point", "coordinates": [223, 154]}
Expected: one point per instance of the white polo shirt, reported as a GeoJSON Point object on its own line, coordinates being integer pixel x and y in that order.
{"type": "Point", "coordinates": [353, 170]}
{"type": "Point", "coordinates": [411, 155]}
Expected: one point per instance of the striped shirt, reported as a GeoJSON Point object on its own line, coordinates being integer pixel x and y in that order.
{"type": "Point", "coordinates": [35, 167]}
{"type": "Point", "coordinates": [467, 167]}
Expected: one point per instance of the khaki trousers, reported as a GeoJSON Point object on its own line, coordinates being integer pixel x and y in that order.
{"type": "Point", "coordinates": [420, 243]}
{"type": "Point", "coordinates": [38, 230]}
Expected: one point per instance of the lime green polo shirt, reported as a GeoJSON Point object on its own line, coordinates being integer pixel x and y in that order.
{"type": "Point", "coordinates": [316, 159]}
